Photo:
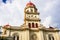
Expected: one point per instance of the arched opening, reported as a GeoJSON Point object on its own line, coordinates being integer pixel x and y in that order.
{"type": "Point", "coordinates": [51, 37]}
{"type": "Point", "coordinates": [33, 25]}
{"type": "Point", "coordinates": [29, 24]}
{"type": "Point", "coordinates": [15, 37]}
{"type": "Point", "coordinates": [36, 25]}
{"type": "Point", "coordinates": [27, 10]}
{"type": "Point", "coordinates": [31, 10]}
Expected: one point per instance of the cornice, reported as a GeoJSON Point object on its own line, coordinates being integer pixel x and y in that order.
{"type": "Point", "coordinates": [34, 29]}
{"type": "Point", "coordinates": [32, 19]}
{"type": "Point", "coordinates": [32, 13]}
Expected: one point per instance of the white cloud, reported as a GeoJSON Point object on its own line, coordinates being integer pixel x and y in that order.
{"type": "Point", "coordinates": [47, 21]}
{"type": "Point", "coordinates": [11, 13]}
{"type": "Point", "coordinates": [55, 25]}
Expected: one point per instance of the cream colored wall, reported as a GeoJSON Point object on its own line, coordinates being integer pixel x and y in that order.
{"type": "Point", "coordinates": [3, 30]}
{"type": "Point", "coordinates": [39, 34]}
{"type": "Point", "coordinates": [55, 34]}
{"type": "Point", "coordinates": [23, 35]}
{"type": "Point", "coordinates": [7, 32]}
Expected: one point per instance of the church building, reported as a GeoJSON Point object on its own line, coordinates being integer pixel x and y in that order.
{"type": "Point", "coordinates": [32, 29]}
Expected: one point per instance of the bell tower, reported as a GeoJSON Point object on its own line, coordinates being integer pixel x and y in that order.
{"type": "Point", "coordinates": [31, 16]}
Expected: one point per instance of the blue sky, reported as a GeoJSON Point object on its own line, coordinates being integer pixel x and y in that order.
{"type": "Point", "coordinates": [12, 12]}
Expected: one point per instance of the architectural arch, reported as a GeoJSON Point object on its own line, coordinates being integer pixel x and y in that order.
{"type": "Point", "coordinates": [36, 25]}
{"type": "Point", "coordinates": [15, 36]}
{"type": "Point", "coordinates": [50, 37]}
{"type": "Point", "coordinates": [29, 24]}
{"type": "Point", "coordinates": [33, 26]}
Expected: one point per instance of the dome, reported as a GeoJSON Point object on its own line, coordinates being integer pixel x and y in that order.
{"type": "Point", "coordinates": [30, 4]}
{"type": "Point", "coordinates": [6, 26]}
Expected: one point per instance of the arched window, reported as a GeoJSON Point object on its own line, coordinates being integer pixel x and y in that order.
{"type": "Point", "coordinates": [33, 25]}
{"type": "Point", "coordinates": [51, 37]}
{"type": "Point", "coordinates": [36, 25]}
{"type": "Point", "coordinates": [27, 10]}
{"type": "Point", "coordinates": [29, 24]}
{"type": "Point", "coordinates": [15, 37]}
{"type": "Point", "coordinates": [31, 10]}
